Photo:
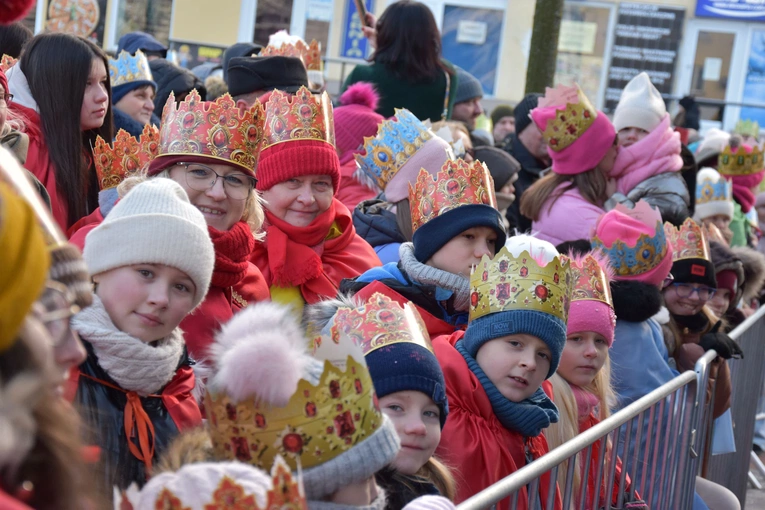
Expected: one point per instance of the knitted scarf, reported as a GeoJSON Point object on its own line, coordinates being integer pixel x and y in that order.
{"type": "Point", "coordinates": [586, 402]}
{"type": "Point", "coordinates": [232, 252]}
{"type": "Point", "coordinates": [427, 275]}
{"type": "Point", "coordinates": [528, 417]}
{"type": "Point", "coordinates": [133, 364]}
{"type": "Point", "coordinates": [742, 189]}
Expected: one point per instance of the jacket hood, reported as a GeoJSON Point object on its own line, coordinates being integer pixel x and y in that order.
{"type": "Point", "coordinates": [635, 301]}
{"type": "Point", "coordinates": [754, 271]}
{"type": "Point", "coordinates": [375, 224]}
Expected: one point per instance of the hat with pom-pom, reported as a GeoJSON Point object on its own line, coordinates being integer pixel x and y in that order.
{"type": "Point", "coordinates": [269, 396]}
{"type": "Point", "coordinates": [592, 306]}
{"type": "Point", "coordinates": [356, 117]}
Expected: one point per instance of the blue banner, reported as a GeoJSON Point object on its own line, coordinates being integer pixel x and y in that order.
{"type": "Point", "coordinates": [744, 10]}
{"type": "Point", "coordinates": [355, 45]}
{"type": "Point", "coordinates": [754, 86]}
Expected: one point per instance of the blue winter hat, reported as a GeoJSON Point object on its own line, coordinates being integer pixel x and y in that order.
{"type": "Point", "coordinates": [133, 41]}
{"type": "Point", "coordinates": [121, 91]}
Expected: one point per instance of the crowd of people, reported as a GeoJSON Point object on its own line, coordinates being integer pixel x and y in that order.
{"type": "Point", "coordinates": [221, 289]}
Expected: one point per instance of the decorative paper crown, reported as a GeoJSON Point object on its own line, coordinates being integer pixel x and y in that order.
{"type": "Point", "coordinates": [128, 68]}
{"type": "Point", "coordinates": [748, 128]}
{"type": "Point", "coordinates": [740, 162]}
{"type": "Point", "coordinates": [310, 54]}
{"type": "Point", "coordinates": [396, 141]}
{"type": "Point", "coordinates": [519, 283]}
{"type": "Point", "coordinates": [456, 184]}
{"type": "Point", "coordinates": [688, 242]}
{"type": "Point", "coordinates": [6, 62]}
{"type": "Point", "coordinates": [216, 129]}
{"type": "Point", "coordinates": [286, 493]}
{"type": "Point", "coordinates": [590, 281]}
{"type": "Point", "coordinates": [380, 321]}
{"type": "Point", "coordinates": [648, 252]}
{"type": "Point", "coordinates": [125, 157]}
{"type": "Point", "coordinates": [319, 423]}
{"type": "Point", "coordinates": [713, 191]}
{"type": "Point", "coordinates": [569, 123]}
{"type": "Point", "coordinates": [301, 116]}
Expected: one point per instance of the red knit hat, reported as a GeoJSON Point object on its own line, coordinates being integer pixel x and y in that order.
{"type": "Point", "coordinates": [356, 118]}
{"type": "Point", "coordinates": [284, 161]}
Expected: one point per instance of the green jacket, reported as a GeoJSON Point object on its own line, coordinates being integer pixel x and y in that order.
{"type": "Point", "coordinates": [739, 225]}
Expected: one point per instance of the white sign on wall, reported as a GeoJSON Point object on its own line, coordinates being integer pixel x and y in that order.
{"type": "Point", "coordinates": [471, 32]}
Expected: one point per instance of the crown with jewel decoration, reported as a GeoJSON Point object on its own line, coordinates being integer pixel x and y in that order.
{"type": "Point", "coordinates": [507, 282]}
{"type": "Point", "coordinates": [127, 68]}
{"type": "Point", "coordinates": [713, 190]}
{"type": "Point", "coordinates": [647, 253]}
{"type": "Point", "coordinates": [590, 281]}
{"type": "Point", "coordinates": [6, 62]}
{"type": "Point", "coordinates": [321, 420]}
{"type": "Point", "coordinates": [740, 162]}
{"type": "Point", "coordinates": [570, 122]}
{"type": "Point", "coordinates": [125, 157]}
{"type": "Point", "coordinates": [688, 242]}
{"type": "Point", "coordinates": [747, 128]}
{"type": "Point", "coordinates": [310, 54]}
{"type": "Point", "coordinates": [301, 116]}
{"type": "Point", "coordinates": [216, 129]}
{"type": "Point", "coordinates": [457, 183]}
{"type": "Point", "coordinates": [397, 140]}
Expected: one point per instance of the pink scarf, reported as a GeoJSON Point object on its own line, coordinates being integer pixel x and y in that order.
{"type": "Point", "coordinates": [586, 402]}
{"type": "Point", "coordinates": [657, 153]}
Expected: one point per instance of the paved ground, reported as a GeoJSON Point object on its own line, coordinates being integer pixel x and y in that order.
{"type": "Point", "coordinates": [755, 499]}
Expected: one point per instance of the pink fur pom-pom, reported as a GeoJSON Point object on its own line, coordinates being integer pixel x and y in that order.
{"type": "Point", "coordinates": [261, 353]}
{"type": "Point", "coordinates": [361, 93]}
{"type": "Point", "coordinates": [14, 10]}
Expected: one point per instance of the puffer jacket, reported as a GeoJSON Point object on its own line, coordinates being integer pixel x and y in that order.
{"type": "Point", "coordinates": [378, 226]}
{"type": "Point", "coordinates": [666, 191]}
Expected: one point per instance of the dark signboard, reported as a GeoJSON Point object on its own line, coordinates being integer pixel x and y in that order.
{"type": "Point", "coordinates": [647, 39]}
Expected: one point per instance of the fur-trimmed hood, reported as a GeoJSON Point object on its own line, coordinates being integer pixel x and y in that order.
{"type": "Point", "coordinates": [754, 271]}
{"type": "Point", "coordinates": [635, 301]}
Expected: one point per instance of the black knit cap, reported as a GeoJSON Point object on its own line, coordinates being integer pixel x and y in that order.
{"type": "Point", "coordinates": [248, 74]}
{"type": "Point", "coordinates": [694, 271]}
{"type": "Point", "coordinates": [522, 110]}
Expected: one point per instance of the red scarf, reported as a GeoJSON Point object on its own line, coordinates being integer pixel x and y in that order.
{"type": "Point", "coordinates": [302, 256]}
{"type": "Point", "coordinates": [232, 250]}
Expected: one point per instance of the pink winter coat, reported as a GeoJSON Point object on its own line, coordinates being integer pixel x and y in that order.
{"type": "Point", "coordinates": [571, 217]}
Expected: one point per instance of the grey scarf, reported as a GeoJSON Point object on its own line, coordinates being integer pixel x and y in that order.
{"type": "Point", "coordinates": [427, 275]}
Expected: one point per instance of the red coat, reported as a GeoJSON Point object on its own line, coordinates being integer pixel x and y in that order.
{"type": "Point", "coordinates": [80, 230]}
{"type": "Point", "coordinates": [350, 191]}
{"type": "Point", "coordinates": [474, 443]}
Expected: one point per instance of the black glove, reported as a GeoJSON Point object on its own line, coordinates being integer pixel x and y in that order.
{"type": "Point", "coordinates": [726, 347]}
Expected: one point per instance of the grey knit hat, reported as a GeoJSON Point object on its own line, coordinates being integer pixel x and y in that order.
{"type": "Point", "coordinates": [468, 86]}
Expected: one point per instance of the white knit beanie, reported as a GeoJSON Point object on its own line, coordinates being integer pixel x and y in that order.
{"type": "Point", "coordinates": [640, 106]}
{"type": "Point", "coordinates": [154, 224]}
{"type": "Point", "coordinates": [714, 195]}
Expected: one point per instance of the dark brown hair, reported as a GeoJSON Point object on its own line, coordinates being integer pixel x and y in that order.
{"type": "Point", "coordinates": [591, 184]}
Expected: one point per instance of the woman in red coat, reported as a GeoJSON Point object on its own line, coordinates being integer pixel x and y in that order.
{"type": "Point", "coordinates": [310, 244]}
{"type": "Point", "coordinates": [62, 94]}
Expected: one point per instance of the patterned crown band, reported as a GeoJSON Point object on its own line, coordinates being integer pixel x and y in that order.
{"type": "Point", "coordinates": [713, 191]}
{"type": "Point", "coordinates": [301, 116]}
{"type": "Point", "coordinates": [570, 122]}
{"type": "Point", "coordinates": [310, 54]}
{"type": "Point", "coordinates": [217, 129]}
{"type": "Point", "coordinates": [457, 183]}
{"type": "Point", "coordinates": [646, 255]}
{"type": "Point", "coordinates": [128, 68]}
{"type": "Point", "coordinates": [688, 242]}
{"type": "Point", "coordinates": [590, 281]}
{"type": "Point", "coordinates": [396, 141]}
{"type": "Point", "coordinates": [125, 157]}
{"type": "Point", "coordinates": [507, 283]}
{"type": "Point", "coordinates": [740, 162]}
{"type": "Point", "coordinates": [380, 321]}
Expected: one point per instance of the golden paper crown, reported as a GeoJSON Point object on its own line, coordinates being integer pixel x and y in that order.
{"type": "Point", "coordinates": [507, 283]}
{"type": "Point", "coordinates": [215, 129]}
{"type": "Point", "coordinates": [380, 321]}
{"type": "Point", "coordinates": [310, 54]}
{"type": "Point", "coordinates": [301, 116]}
{"type": "Point", "coordinates": [320, 421]}
{"type": "Point", "coordinates": [457, 183]}
{"type": "Point", "coordinates": [590, 281]}
{"type": "Point", "coordinates": [740, 162]}
{"type": "Point", "coordinates": [688, 242]}
{"type": "Point", "coordinates": [747, 128]}
{"type": "Point", "coordinates": [569, 123]}
{"type": "Point", "coordinates": [125, 157]}
{"type": "Point", "coordinates": [6, 62]}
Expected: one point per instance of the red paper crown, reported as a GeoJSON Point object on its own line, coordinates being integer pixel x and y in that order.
{"type": "Point", "coordinates": [688, 242]}
{"type": "Point", "coordinates": [216, 129]}
{"type": "Point", "coordinates": [6, 62]}
{"type": "Point", "coordinates": [590, 281]}
{"type": "Point", "coordinates": [125, 157]}
{"type": "Point", "coordinates": [301, 116]}
{"type": "Point", "coordinates": [456, 184]}
{"type": "Point", "coordinates": [310, 54]}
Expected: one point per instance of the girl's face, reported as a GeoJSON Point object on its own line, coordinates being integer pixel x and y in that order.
{"type": "Point", "coordinates": [685, 298]}
{"type": "Point", "coordinates": [464, 251]}
{"type": "Point", "coordinates": [629, 135]}
{"type": "Point", "coordinates": [720, 221]}
{"type": "Point", "coordinates": [583, 357]}
{"type": "Point", "coordinates": [138, 104]}
{"type": "Point", "coordinates": [720, 302]}
{"type": "Point", "coordinates": [299, 200]}
{"type": "Point", "coordinates": [607, 163]}
{"type": "Point", "coordinates": [516, 364]}
{"type": "Point", "coordinates": [96, 99]}
{"type": "Point", "coordinates": [146, 301]}
{"type": "Point", "coordinates": [417, 421]}
{"type": "Point", "coordinates": [220, 211]}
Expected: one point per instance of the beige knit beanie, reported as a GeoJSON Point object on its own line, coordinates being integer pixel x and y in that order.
{"type": "Point", "coordinates": [640, 106]}
{"type": "Point", "coordinates": [154, 224]}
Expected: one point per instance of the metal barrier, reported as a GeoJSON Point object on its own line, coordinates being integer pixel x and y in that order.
{"type": "Point", "coordinates": [668, 424]}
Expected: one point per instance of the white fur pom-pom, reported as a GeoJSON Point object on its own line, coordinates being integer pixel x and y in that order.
{"type": "Point", "coordinates": [261, 353]}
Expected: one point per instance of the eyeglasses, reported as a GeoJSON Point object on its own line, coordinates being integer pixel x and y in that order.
{"type": "Point", "coordinates": [202, 178]}
{"type": "Point", "coordinates": [685, 290]}
{"type": "Point", "coordinates": [56, 307]}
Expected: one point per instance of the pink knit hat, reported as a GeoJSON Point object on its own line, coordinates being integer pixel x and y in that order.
{"type": "Point", "coordinates": [356, 118]}
{"type": "Point", "coordinates": [577, 135]}
{"type": "Point", "coordinates": [592, 307]}
{"type": "Point", "coordinates": [635, 243]}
